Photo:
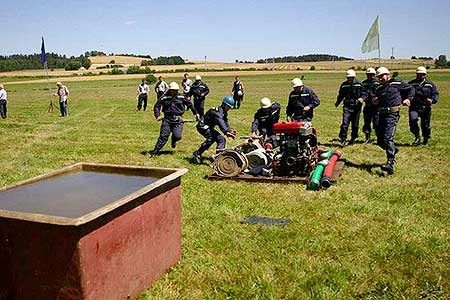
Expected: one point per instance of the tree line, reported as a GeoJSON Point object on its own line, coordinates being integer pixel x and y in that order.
{"type": "Point", "coordinates": [33, 61]}
{"type": "Point", "coordinates": [164, 60]}
{"type": "Point", "coordinates": [303, 58]}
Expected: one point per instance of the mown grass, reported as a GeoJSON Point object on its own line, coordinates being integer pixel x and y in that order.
{"type": "Point", "coordinates": [370, 236]}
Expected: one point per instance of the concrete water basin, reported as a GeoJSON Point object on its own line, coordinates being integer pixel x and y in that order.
{"type": "Point", "coordinates": [89, 231]}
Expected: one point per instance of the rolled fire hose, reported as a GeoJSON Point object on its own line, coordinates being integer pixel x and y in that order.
{"type": "Point", "coordinates": [257, 158]}
{"type": "Point", "coordinates": [229, 163]}
{"type": "Point", "coordinates": [314, 182]}
{"type": "Point", "coordinates": [328, 172]}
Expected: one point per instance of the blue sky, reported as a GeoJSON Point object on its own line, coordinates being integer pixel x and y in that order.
{"type": "Point", "coordinates": [224, 30]}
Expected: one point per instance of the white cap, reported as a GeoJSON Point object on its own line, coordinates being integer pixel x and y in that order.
{"type": "Point", "coordinates": [382, 71]}
{"type": "Point", "coordinates": [174, 86]}
{"type": "Point", "coordinates": [265, 102]}
{"type": "Point", "coordinates": [58, 83]}
{"type": "Point", "coordinates": [421, 70]}
{"type": "Point", "coordinates": [296, 82]}
{"type": "Point", "coordinates": [198, 77]}
{"type": "Point", "coordinates": [371, 71]}
{"type": "Point", "coordinates": [351, 73]}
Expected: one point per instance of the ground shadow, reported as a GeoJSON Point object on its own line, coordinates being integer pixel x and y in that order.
{"type": "Point", "coordinates": [337, 143]}
{"type": "Point", "coordinates": [164, 152]}
{"type": "Point", "coordinates": [206, 161]}
{"type": "Point", "coordinates": [373, 169]}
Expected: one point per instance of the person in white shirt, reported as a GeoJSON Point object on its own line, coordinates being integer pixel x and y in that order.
{"type": "Point", "coordinates": [187, 82]}
{"type": "Point", "coordinates": [143, 90]}
{"type": "Point", "coordinates": [63, 94]}
{"type": "Point", "coordinates": [161, 87]}
{"type": "Point", "coordinates": [3, 98]}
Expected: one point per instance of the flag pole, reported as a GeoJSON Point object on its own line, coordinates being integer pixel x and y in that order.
{"type": "Point", "coordinates": [44, 63]}
{"type": "Point", "coordinates": [50, 107]}
{"type": "Point", "coordinates": [379, 45]}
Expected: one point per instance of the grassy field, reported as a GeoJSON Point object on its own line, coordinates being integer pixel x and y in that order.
{"type": "Point", "coordinates": [369, 236]}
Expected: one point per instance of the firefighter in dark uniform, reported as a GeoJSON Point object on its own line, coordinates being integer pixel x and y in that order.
{"type": "Point", "coordinates": [238, 92]}
{"type": "Point", "coordinates": [370, 109]}
{"type": "Point", "coordinates": [173, 105]}
{"type": "Point", "coordinates": [351, 92]}
{"type": "Point", "coordinates": [389, 96]}
{"type": "Point", "coordinates": [217, 116]}
{"type": "Point", "coordinates": [264, 118]}
{"type": "Point", "coordinates": [199, 90]}
{"type": "Point", "coordinates": [301, 103]}
{"type": "Point", "coordinates": [426, 95]}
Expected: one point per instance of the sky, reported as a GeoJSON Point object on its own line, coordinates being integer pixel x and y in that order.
{"type": "Point", "coordinates": [225, 30]}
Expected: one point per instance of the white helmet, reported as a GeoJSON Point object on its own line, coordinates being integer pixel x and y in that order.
{"type": "Point", "coordinates": [265, 103]}
{"type": "Point", "coordinates": [59, 83]}
{"type": "Point", "coordinates": [198, 77]}
{"type": "Point", "coordinates": [296, 82]}
{"type": "Point", "coordinates": [371, 71]}
{"type": "Point", "coordinates": [174, 86]}
{"type": "Point", "coordinates": [240, 93]}
{"type": "Point", "coordinates": [382, 71]}
{"type": "Point", "coordinates": [351, 73]}
{"type": "Point", "coordinates": [421, 70]}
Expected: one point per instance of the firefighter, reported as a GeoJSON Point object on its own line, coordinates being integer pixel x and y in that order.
{"type": "Point", "coordinates": [426, 95]}
{"type": "Point", "coordinates": [264, 118]}
{"type": "Point", "coordinates": [217, 116]}
{"type": "Point", "coordinates": [352, 94]}
{"type": "Point", "coordinates": [199, 90]}
{"type": "Point", "coordinates": [370, 110]}
{"type": "Point", "coordinates": [173, 105]}
{"type": "Point", "coordinates": [301, 103]}
{"type": "Point", "coordinates": [389, 96]}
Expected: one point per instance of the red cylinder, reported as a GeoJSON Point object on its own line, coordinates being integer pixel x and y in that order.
{"type": "Point", "coordinates": [328, 172]}
{"type": "Point", "coordinates": [268, 146]}
{"type": "Point", "coordinates": [288, 128]}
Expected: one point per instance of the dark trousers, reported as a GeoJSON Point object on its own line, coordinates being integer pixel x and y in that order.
{"type": "Point", "coordinates": [424, 113]}
{"type": "Point", "coordinates": [212, 136]}
{"type": "Point", "coordinates": [63, 108]}
{"type": "Point", "coordinates": [301, 119]}
{"type": "Point", "coordinates": [237, 100]}
{"type": "Point", "coordinates": [159, 95]}
{"type": "Point", "coordinates": [350, 115]}
{"type": "Point", "coordinates": [3, 108]}
{"type": "Point", "coordinates": [168, 127]}
{"type": "Point", "coordinates": [387, 124]}
{"type": "Point", "coordinates": [268, 136]}
{"type": "Point", "coordinates": [142, 98]}
{"type": "Point", "coordinates": [370, 119]}
{"type": "Point", "coordinates": [199, 105]}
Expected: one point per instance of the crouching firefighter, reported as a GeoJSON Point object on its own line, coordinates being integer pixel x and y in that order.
{"type": "Point", "coordinates": [217, 116]}
{"type": "Point", "coordinates": [264, 118]}
{"type": "Point", "coordinates": [389, 96]}
{"type": "Point", "coordinates": [173, 105]}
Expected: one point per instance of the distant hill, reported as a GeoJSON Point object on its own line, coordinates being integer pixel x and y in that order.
{"type": "Point", "coordinates": [304, 58]}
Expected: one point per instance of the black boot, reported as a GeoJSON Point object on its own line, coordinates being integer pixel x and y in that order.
{"type": "Point", "coordinates": [368, 140]}
{"type": "Point", "coordinates": [416, 141]}
{"type": "Point", "coordinates": [343, 142]}
{"type": "Point", "coordinates": [388, 167]}
{"type": "Point", "coordinates": [197, 158]}
{"type": "Point", "coordinates": [425, 141]}
{"type": "Point", "coordinates": [154, 153]}
{"type": "Point", "coordinates": [352, 141]}
{"type": "Point", "coordinates": [173, 143]}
